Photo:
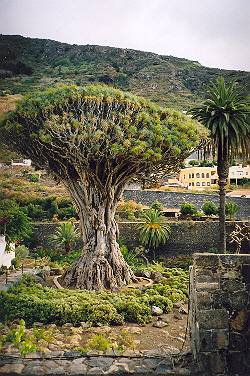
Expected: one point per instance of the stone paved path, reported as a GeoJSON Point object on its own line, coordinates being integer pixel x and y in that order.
{"type": "Point", "coordinates": [14, 276]}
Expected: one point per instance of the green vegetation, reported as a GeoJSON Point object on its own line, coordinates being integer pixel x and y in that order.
{"type": "Point", "coordinates": [101, 152]}
{"type": "Point", "coordinates": [189, 211]}
{"type": "Point", "coordinates": [14, 223]}
{"type": "Point", "coordinates": [34, 64]}
{"type": "Point", "coordinates": [226, 114]}
{"type": "Point", "coordinates": [231, 209]}
{"type": "Point", "coordinates": [65, 235]}
{"type": "Point", "coordinates": [209, 208]}
{"type": "Point", "coordinates": [34, 303]}
{"type": "Point", "coordinates": [154, 231]}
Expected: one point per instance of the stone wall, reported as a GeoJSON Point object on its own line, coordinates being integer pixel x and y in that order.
{"type": "Point", "coordinates": [186, 237]}
{"type": "Point", "coordinates": [174, 200]}
{"type": "Point", "coordinates": [219, 317]}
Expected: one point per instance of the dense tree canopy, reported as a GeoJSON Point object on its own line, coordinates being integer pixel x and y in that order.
{"type": "Point", "coordinates": [94, 140]}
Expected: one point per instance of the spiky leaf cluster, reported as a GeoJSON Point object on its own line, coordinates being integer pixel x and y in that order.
{"type": "Point", "coordinates": [108, 135]}
{"type": "Point", "coordinates": [226, 114]}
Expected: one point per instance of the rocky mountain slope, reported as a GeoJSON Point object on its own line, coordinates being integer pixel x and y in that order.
{"type": "Point", "coordinates": [28, 64]}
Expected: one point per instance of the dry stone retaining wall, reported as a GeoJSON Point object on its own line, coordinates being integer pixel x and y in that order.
{"type": "Point", "coordinates": [174, 200]}
{"type": "Point", "coordinates": [186, 237]}
{"type": "Point", "coordinates": [219, 317]}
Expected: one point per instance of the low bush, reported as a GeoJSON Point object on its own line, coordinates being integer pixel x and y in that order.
{"type": "Point", "coordinates": [21, 252]}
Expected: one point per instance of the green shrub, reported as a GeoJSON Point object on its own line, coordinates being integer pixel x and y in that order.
{"type": "Point", "coordinates": [34, 178]}
{"type": "Point", "coordinates": [15, 262]}
{"type": "Point", "coordinates": [21, 252]}
{"type": "Point", "coordinates": [209, 208]}
{"type": "Point", "coordinates": [189, 210]}
{"type": "Point", "coordinates": [33, 303]}
{"type": "Point", "coordinates": [157, 206]}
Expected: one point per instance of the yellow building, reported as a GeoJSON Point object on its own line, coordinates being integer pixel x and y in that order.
{"type": "Point", "coordinates": [198, 177]}
{"type": "Point", "coordinates": [205, 177]}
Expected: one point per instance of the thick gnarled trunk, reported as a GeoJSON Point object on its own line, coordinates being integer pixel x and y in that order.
{"type": "Point", "coordinates": [101, 264]}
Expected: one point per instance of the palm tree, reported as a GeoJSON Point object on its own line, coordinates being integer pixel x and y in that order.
{"type": "Point", "coordinates": [65, 235]}
{"type": "Point", "coordinates": [226, 114]}
{"type": "Point", "coordinates": [154, 231]}
{"type": "Point", "coordinates": [231, 209]}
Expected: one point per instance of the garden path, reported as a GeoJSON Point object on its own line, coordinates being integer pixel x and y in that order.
{"type": "Point", "coordinates": [14, 276]}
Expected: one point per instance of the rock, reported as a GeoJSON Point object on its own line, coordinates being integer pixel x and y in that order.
{"type": "Point", "coordinates": [76, 330]}
{"type": "Point", "coordinates": [178, 316]}
{"type": "Point", "coordinates": [85, 325]}
{"type": "Point", "coordinates": [38, 324]}
{"type": "Point", "coordinates": [38, 279]}
{"type": "Point", "coordinates": [136, 342]}
{"type": "Point", "coordinates": [73, 340]}
{"type": "Point", "coordinates": [160, 324]}
{"type": "Point", "coordinates": [183, 310]}
{"type": "Point", "coordinates": [42, 343]}
{"type": "Point", "coordinates": [102, 329]}
{"type": "Point", "coordinates": [133, 330]}
{"type": "Point", "coordinates": [178, 304]}
{"type": "Point", "coordinates": [143, 273]}
{"type": "Point", "coordinates": [157, 277]}
{"type": "Point", "coordinates": [142, 288]}
{"type": "Point", "coordinates": [12, 369]}
{"type": "Point", "coordinates": [67, 325]}
{"type": "Point", "coordinates": [156, 311]}
{"type": "Point", "coordinates": [44, 274]}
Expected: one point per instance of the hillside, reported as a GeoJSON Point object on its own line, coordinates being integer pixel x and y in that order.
{"type": "Point", "coordinates": [28, 64]}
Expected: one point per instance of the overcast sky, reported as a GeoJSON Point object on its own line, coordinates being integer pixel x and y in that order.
{"type": "Point", "coordinates": [214, 32]}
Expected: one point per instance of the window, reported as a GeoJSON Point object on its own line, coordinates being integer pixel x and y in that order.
{"type": "Point", "coordinates": [197, 175]}
{"type": "Point", "coordinates": [207, 175]}
{"type": "Point", "coordinates": [184, 176]}
{"type": "Point", "coordinates": [203, 184]}
{"type": "Point", "coordinates": [240, 173]}
{"type": "Point", "coordinates": [246, 173]}
{"type": "Point", "coordinates": [192, 176]}
{"type": "Point", "coordinates": [198, 184]}
{"type": "Point", "coordinates": [192, 183]}
{"type": "Point", "coordinates": [189, 176]}
{"type": "Point", "coordinates": [232, 173]}
{"type": "Point", "coordinates": [208, 184]}
{"type": "Point", "coordinates": [203, 175]}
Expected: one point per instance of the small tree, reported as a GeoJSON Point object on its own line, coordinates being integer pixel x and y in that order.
{"type": "Point", "coordinates": [14, 224]}
{"type": "Point", "coordinates": [65, 235]}
{"type": "Point", "coordinates": [189, 210]}
{"type": "Point", "coordinates": [157, 206]}
{"type": "Point", "coordinates": [209, 208]}
{"type": "Point", "coordinates": [154, 231]}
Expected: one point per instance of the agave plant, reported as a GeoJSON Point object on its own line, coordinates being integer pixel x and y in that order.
{"type": "Point", "coordinates": [154, 231]}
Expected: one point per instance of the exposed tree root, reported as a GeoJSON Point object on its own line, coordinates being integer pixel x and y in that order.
{"type": "Point", "coordinates": [94, 270]}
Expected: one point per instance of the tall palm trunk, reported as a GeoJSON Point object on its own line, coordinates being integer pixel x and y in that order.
{"type": "Point", "coordinates": [223, 171]}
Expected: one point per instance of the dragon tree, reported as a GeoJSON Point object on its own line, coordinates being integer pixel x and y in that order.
{"type": "Point", "coordinates": [95, 140]}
